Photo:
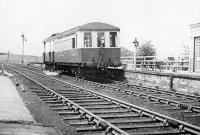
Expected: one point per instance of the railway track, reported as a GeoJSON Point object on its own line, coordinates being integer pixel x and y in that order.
{"type": "Point", "coordinates": [173, 98]}
{"type": "Point", "coordinates": [183, 105]}
{"type": "Point", "coordinates": [93, 113]}
{"type": "Point", "coordinates": [179, 100]}
{"type": "Point", "coordinates": [34, 68]}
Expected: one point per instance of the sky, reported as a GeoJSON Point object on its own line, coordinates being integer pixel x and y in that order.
{"type": "Point", "coordinates": [164, 22]}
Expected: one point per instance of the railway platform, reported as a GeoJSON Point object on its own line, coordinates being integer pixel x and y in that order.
{"type": "Point", "coordinates": [15, 118]}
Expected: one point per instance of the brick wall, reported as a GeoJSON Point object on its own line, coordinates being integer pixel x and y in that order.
{"type": "Point", "coordinates": [183, 83]}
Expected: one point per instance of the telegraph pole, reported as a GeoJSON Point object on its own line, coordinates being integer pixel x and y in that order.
{"type": "Point", "coordinates": [8, 56]}
{"type": "Point", "coordinates": [23, 40]}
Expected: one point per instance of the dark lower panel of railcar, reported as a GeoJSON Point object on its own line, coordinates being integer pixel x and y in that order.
{"type": "Point", "coordinates": [89, 73]}
{"type": "Point", "coordinates": [102, 74]}
{"type": "Point", "coordinates": [89, 56]}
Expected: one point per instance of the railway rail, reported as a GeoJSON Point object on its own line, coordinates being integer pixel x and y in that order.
{"type": "Point", "coordinates": [94, 113]}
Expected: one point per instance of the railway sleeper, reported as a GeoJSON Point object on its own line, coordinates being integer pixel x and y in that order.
{"type": "Point", "coordinates": [168, 132]}
{"type": "Point", "coordinates": [137, 121]}
{"type": "Point", "coordinates": [115, 117]}
{"type": "Point", "coordinates": [102, 107]}
{"type": "Point", "coordinates": [194, 109]}
{"type": "Point", "coordinates": [69, 113]}
{"type": "Point", "coordinates": [65, 89]}
{"type": "Point", "coordinates": [111, 110]}
{"type": "Point", "coordinates": [82, 98]}
{"type": "Point", "coordinates": [151, 126]}
{"type": "Point", "coordinates": [114, 113]}
{"type": "Point", "coordinates": [66, 92]}
{"type": "Point", "coordinates": [57, 105]}
{"type": "Point", "coordinates": [70, 94]}
{"type": "Point", "coordinates": [83, 124]}
{"type": "Point", "coordinates": [96, 104]}
{"type": "Point", "coordinates": [86, 101]}
{"type": "Point", "coordinates": [76, 96]}
{"type": "Point", "coordinates": [49, 99]}
{"type": "Point", "coordinates": [54, 102]}
{"type": "Point", "coordinates": [138, 124]}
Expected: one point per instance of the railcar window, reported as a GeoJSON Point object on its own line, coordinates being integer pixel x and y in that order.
{"type": "Point", "coordinates": [87, 39]}
{"type": "Point", "coordinates": [113, 36]}
{"type": "Point", "coordinates": [100, 39]}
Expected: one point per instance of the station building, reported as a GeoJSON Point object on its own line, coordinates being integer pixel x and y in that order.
{"type": "Point", "coordinates": [195, 48]}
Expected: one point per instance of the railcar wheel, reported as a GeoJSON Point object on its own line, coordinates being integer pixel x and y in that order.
{"type": "Point", "coordinates": [79, 73]}
{"type": "Point", "coordinates": [53, 67]}
{"type": "Point", "coordinates": [46, 67]}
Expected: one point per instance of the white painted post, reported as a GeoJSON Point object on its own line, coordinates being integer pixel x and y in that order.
{"type": "Point", "coordinates": [135, 51]}
{"type": "Point", "coordinates": [135, 42]}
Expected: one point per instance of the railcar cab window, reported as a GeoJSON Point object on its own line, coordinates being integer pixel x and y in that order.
{"type": "Point", "coordinates": [87, 39]}
{"type": "Point", "coordinates": [113, 36]}
{"type": "Point", "coordinates": [100, 39]}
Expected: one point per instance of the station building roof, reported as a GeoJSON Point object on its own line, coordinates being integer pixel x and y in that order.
{"type": "Point", "coordinates": [94, 26]}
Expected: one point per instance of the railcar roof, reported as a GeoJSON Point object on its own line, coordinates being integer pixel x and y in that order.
{"type": "Point", "coordinates": [94, 26]}
{"type": "Point", "coordinates": [98, 26]}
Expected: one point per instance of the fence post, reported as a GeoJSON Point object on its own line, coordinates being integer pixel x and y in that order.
{"type": "Point", "coordinates": [2, 67]}
{"type": "Point", "coordinates": [171, 83]}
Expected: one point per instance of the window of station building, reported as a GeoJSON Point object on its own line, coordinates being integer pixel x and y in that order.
{"type": "Point", "coordinates": [100, 39]}
{"type": "Point", "coordinates": [113, 37]}
{"type": "Point", "coordinates": [87, 39]}
{"type": "Point", "coordinates": [197, 46]}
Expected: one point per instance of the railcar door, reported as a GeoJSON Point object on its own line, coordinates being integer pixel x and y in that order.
{"type": "Point", "coordinates": [73, 42]}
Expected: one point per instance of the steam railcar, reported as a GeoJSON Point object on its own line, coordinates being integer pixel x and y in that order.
{"type": "Point", "coordinates": [88, 50]}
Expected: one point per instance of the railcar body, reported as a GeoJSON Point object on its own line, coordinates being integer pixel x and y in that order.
{"type": "Point", "coordinates": [90, 48]}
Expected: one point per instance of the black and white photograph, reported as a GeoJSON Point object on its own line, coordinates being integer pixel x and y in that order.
{"type": "Point", "coordinates": [99, 67]}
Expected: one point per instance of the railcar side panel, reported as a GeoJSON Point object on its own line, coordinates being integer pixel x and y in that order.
{"type": "Point", "coordinates": [68, 56]}
{"type": "Point", "coordinates": [89, 56]}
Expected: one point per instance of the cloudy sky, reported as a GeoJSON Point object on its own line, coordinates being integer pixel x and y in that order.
{"type": "Point", "coordinates": [165, 22]}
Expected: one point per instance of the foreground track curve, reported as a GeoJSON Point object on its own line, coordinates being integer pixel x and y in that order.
{"type": "Point", "coordinates": [94, 113]}
{"type": "Point", "coordinates": [181, 101]}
